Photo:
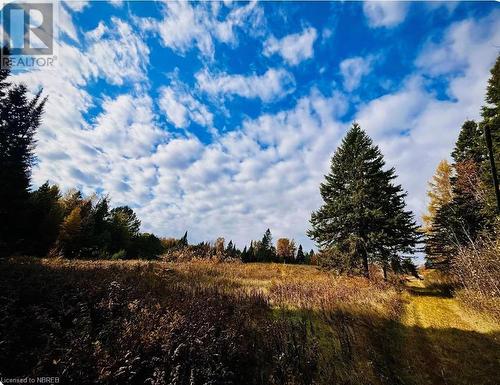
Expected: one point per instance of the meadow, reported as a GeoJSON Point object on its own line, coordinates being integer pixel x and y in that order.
{"type": "Point", "coordinates": [201, 322]}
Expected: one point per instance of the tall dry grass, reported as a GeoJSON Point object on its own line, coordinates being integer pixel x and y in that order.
{"type": "Point", "coordinates": [198, 322]}
{"type": "Point", "coordinates": [477, 272]}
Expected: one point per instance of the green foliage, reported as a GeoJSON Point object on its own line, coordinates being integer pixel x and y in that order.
{"type": "Point", "coordinates": [145, 245]}
{"type": "Point", "coordinates": [363, 217]}
{"type": "Point", "coordinates": [184, 240]}
{"type": "Point", "coordinates": [124, 226]}
{"type": "Point", "coordinates": [472, 212]}
{"type": "Point", "coordinates": [470, 144]}
{"type": "Point", "coordinates": [46, 216]}
{"type": "Point", "coordinates": [20, 116]}
{"type": "Point", "coordinates": [491, 110]}
{"type": "Point", "coordinates": [301, 258]}
{"type": "Point", "coordinates": [119, 255]}
{"type": "Point", "coordinates": [491, 121]}
{"type": "Point", "coordinates": [265, 252]}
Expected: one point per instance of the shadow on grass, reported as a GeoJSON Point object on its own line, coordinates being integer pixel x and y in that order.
{"type": "Point", "coordinates": [431, 292]}
{"type": "Point", "coordinates": [140, 323]}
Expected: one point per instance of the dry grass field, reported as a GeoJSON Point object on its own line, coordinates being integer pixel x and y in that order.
{"type": "Point", "coordinates": [136, 322]}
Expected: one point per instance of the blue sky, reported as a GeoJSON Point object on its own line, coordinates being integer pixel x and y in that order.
{"type": "Point", "coordinates": [221, 118]}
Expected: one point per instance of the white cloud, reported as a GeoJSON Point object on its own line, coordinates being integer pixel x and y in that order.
{"type": "Point", "coordinates": [118, 53]}
{"type": "Point", "coordinates": [185, 26]}
{"type": "Point", "coordinates": [253, 177]}
{"type": "Point", "coordinates": [181, 107]}
{"type": "Point", "coordinates": [76, 5]}
{"type": "Point", "coordinates": [293, 48]}
{"type": "Point", "coordinates": [273, 84]}
{"type": "Point", "coordinates": [267, 172]}
{"type": "Point", "coordinates": [414, 127]}
{"type": "Point", "coordinates": [385, 13]}
{"type": "Point", "coordinates": [353, 70]}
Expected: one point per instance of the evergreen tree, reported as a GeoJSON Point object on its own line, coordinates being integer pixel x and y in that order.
{"type": "Point", "coordinates": [301, 258]}
{"type": "Point", "coordinates": [251, 253]}
{"type": "Point", "coordinates": [231, 249]}
{"type": "Point", "coordinates": [244, 255]}
{"type": "Point", "coordinates": [20, 117]}
{"type": "Point", "coordinates": [46, 216]}
{"type": "Point", "coordinates": [491, 124]}
{"type": "Point", "coordinates": [124, 226]}
{"type": "Point", "coordinates": [363, 216]}
{"type": "Point", "coordinates": [470, 144]}
{"type": "Point", "coordinates": [309, 257]}
{"type": "Point", "coordinates": [183, 242]}
{"type": "Point", "coordinates": [146, 246]}
{"type": "Point", "coordinates": [459, 221]}
{"type": "Point", "coordinates": [265, 251]}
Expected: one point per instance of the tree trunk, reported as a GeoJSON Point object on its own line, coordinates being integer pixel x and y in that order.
{"type": "Point", "coordinates": [489, 144]}
{"type": "Point", "coordinates": [364, 255]}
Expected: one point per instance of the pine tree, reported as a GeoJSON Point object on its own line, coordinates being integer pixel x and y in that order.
{"type": "Point", "coordinates": [46, 216]}
{"type": "Point", "coordinates": [265, 251]}
{"type": "Point", "coordinates": [183, 242]}
{"type": "Point", "coordinates": [363, 217]}
{"type": "Point", "coordinates": [309, 257]}
{"type": "Point", "coordinates": [20, 117]}
{"type": "Point", "coordinates": [230, 249]}
{"type": "Point", "coordinates": [470, 144]}
{"type": "Point", "coordinates": [251, 253]}
{"type": "Point", "coordinates": [301, 258]}
{"type": "Point", "coordinates": [244, 255]}
{"type": "Point", "coordinates": [491, 126]}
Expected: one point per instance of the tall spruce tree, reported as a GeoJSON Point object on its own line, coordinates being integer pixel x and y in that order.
{"type": "Point", "coordinates": [491, 125]}
{"type": "Point", "coordinates": [20, 116]}
{"type": "Point", "coordinates": [301, 258]}
{"type": "Point", "coordinates": [363, 217]}
{"type": "Point", "coordinates": [265, 252]}
{"type": "Point", "coordinates": [469, 145]}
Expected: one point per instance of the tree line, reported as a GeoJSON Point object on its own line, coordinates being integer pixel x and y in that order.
{"type": "Point", "coordinates": [464, 198]}
{"type": "Point", "coordinates": [363, 221]}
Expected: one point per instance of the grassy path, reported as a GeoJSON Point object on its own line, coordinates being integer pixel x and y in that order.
{"type": "Point", "coordinates": [443, 343]}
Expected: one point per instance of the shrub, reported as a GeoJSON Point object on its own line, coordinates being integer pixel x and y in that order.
{"type": "Point", "coordinates": [477, 271]}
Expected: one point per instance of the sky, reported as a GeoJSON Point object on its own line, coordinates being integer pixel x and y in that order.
{"type": "Point", "coordinates": [220, 119]}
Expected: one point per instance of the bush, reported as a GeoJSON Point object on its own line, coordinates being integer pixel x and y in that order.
{"type": "Point", "coordinates": [477, 271]}
{"type": "Point", "coordinates": [119, 255]}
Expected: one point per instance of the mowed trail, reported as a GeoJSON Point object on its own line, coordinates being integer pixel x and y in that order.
{"type": "Point", "coordinates": [445, 343]}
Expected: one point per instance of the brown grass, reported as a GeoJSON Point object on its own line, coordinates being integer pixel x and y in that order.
{"type": "Point", "coordinates": [201, 322]}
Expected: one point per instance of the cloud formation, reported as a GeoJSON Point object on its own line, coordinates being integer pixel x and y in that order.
{"type": "Point", "coordinates": [185, 25]}
{"type": "Point", "coordinates": [274, 83]}
{"type": "Point", "coordinates": [353, 69]}
{"type": "Point", "coordinates": [124, 138]}
{"type": "Point", "coordinates": [181, 107]}
{"type": "Point", "coordinates": [293, 48]}
{"type": "Point", "coordinates": [385, 13]}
